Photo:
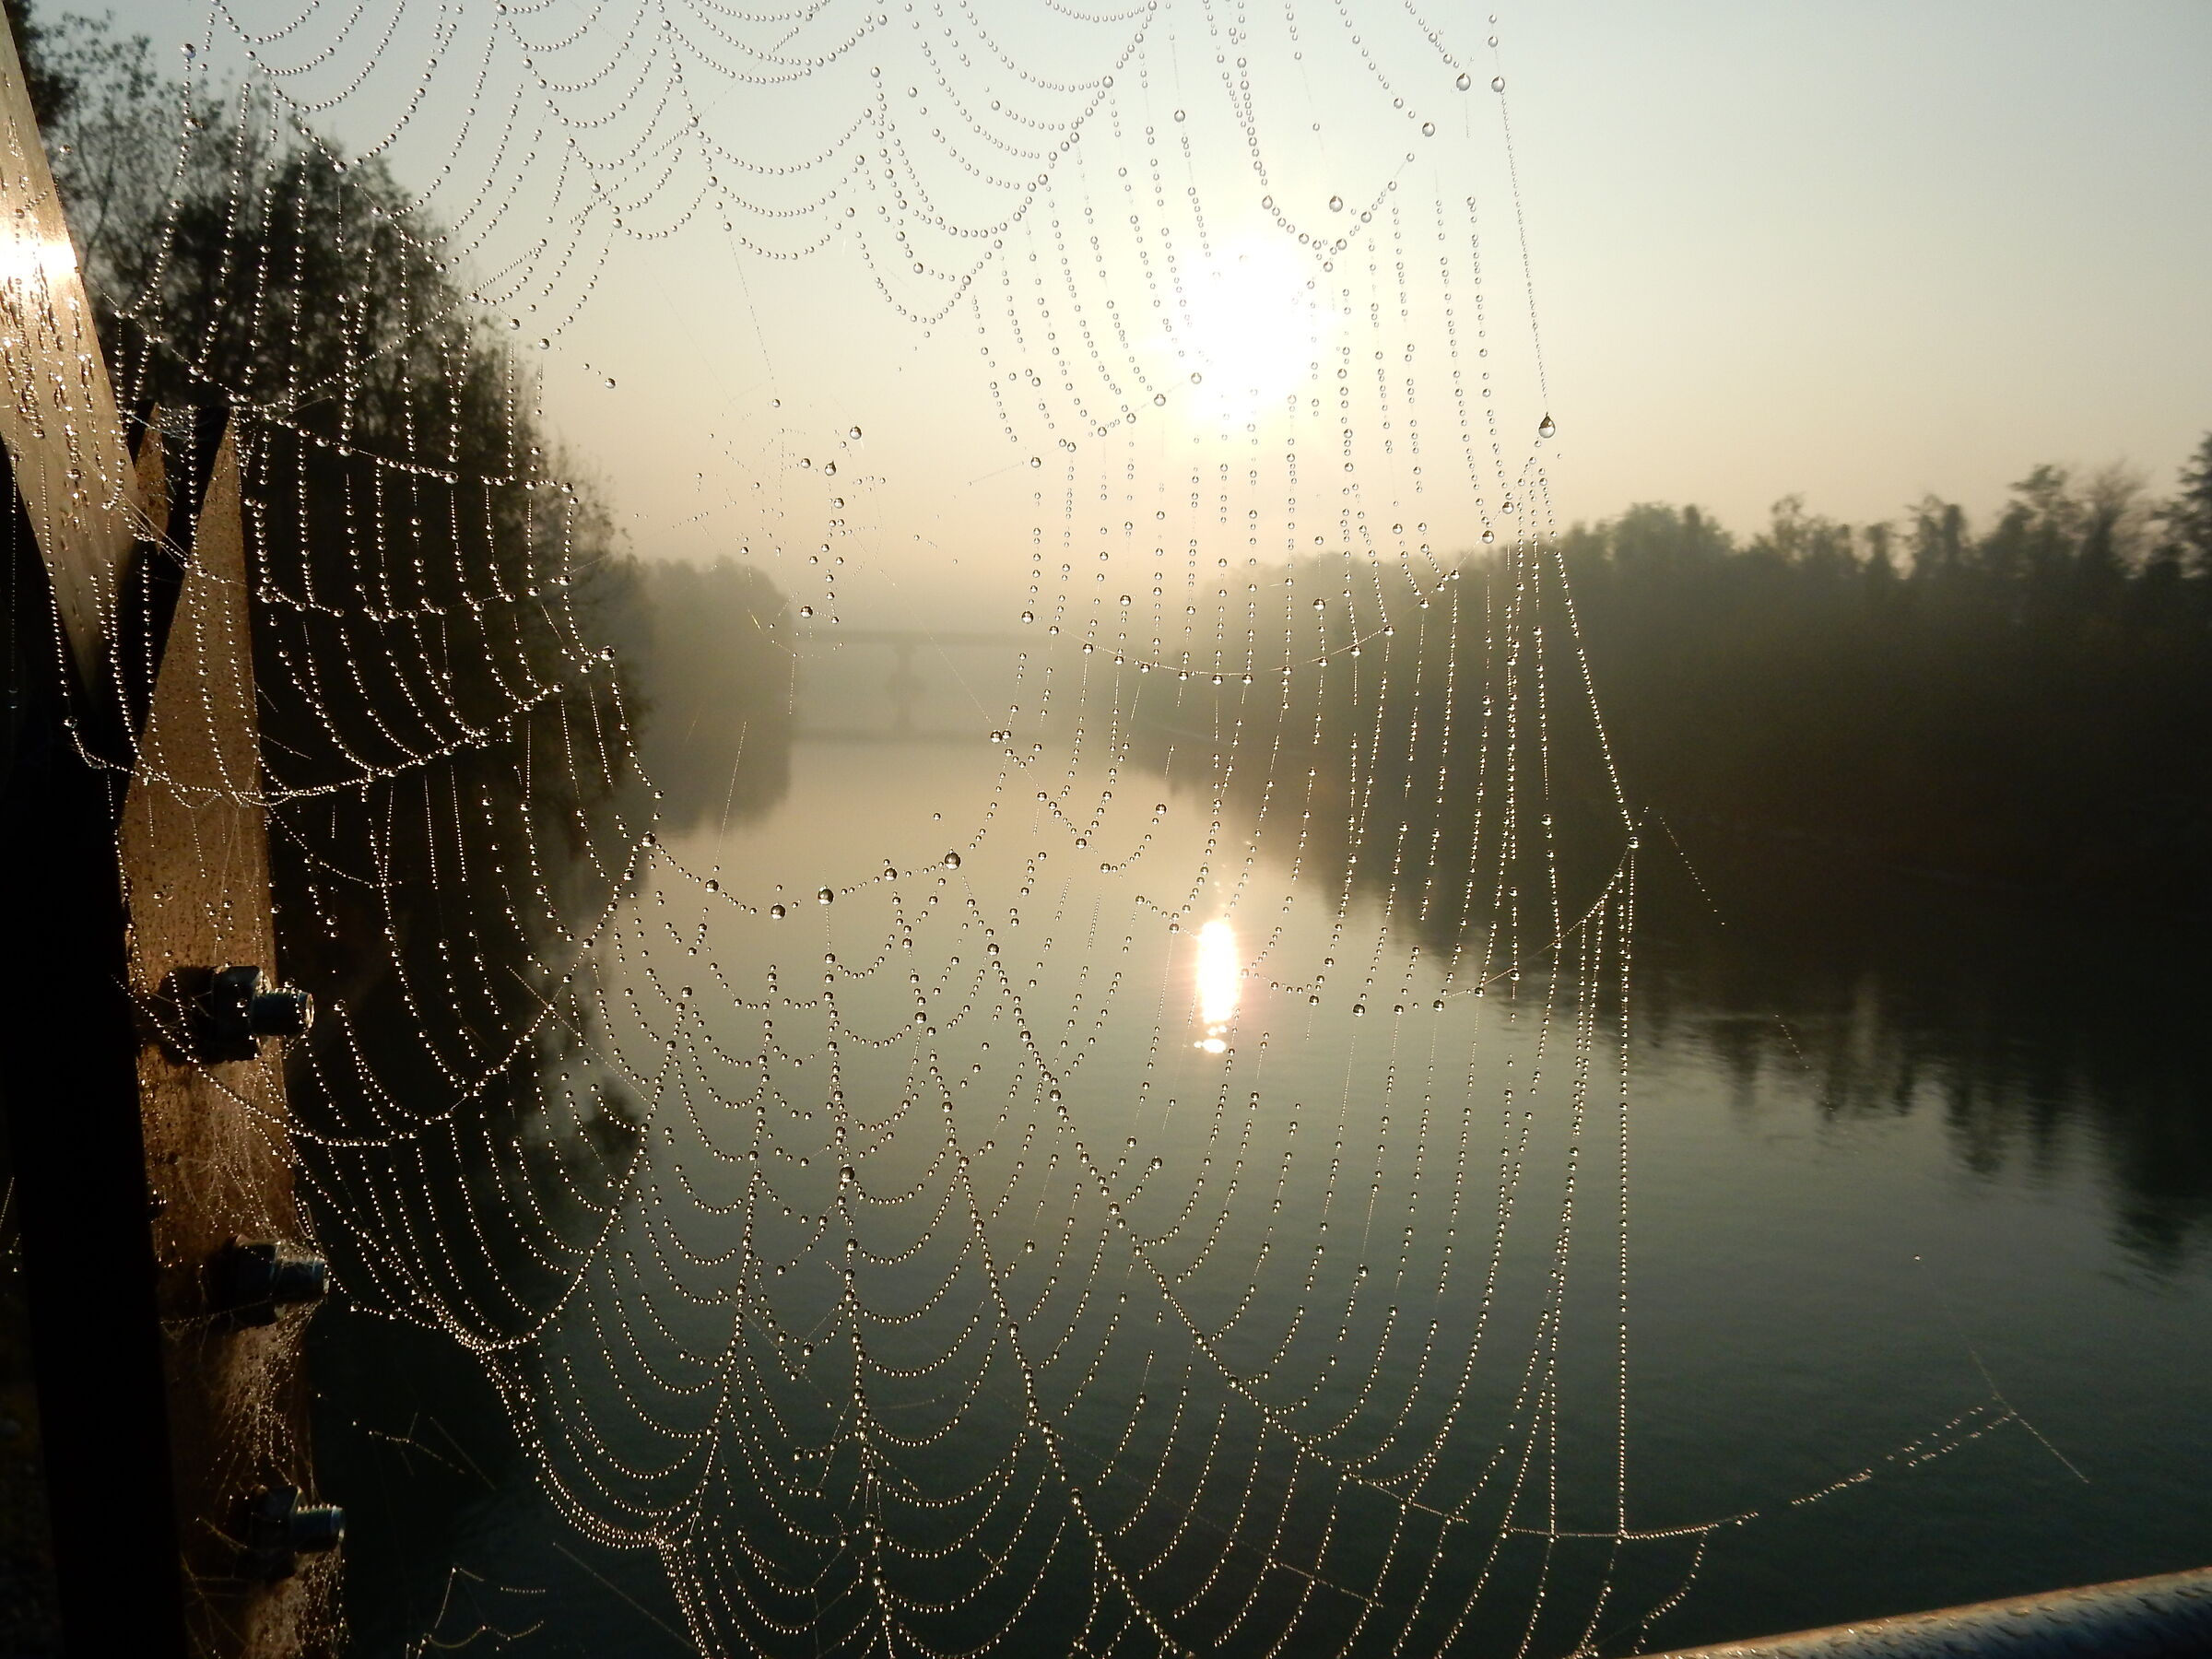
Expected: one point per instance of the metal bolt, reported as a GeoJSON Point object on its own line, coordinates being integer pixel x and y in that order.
{"type": "Point", "coordinates": [244, 1006]}
{"type": "Point", "coordinates": [251, 1282]}
{"type": "Point", "coordinates": [280, 1529]}
{"type": "Point", "coordinates": [281, 1011]}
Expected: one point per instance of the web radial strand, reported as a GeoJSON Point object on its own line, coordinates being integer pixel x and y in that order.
{"type": "Point", "coordinates": [1149, 1173]}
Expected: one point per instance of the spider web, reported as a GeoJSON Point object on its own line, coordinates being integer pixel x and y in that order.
{"type": "Point", "coordinates": [1178, 1198]}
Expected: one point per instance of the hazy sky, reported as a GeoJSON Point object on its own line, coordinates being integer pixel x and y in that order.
{"type": "Point", "coordinates": [1871, 249]}
{"type": "Point", "coordinates": [1861, 251]}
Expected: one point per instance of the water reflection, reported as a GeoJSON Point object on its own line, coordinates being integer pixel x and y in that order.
{"type": "Point", "coordinates": [796, 1156]}
{"type": "Point", "coordinates": [1219, 969]}
{"type": "Point", "coordinates": [2032, 1027]}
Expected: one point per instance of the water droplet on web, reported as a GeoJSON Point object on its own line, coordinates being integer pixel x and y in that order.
{"type": "Point", "coordinates": [776, 912]}
{"type": "Point", "coordinates": [827, 896]}
{"type": "Point", "coordinates": [1336, 204]}
{"type": "Point", "coordinates": [1497, 83]}
{"type": "Point", "coordinates": [1179, 114]}
{"type": "Point", "coordinates": [1160, 397]}
{"type": "Point", "coordinates": [1195, 377]}
{"type": "Point", "coordinates": [952, 861]}
{"type": "Point", "coordinates": [1547, 427]}
{"type": "Point", "coordinates": [1464, 81]}
{"type": "Point", "coordinates": [854, 433]}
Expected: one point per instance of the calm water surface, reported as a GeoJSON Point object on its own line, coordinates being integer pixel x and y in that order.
{"type": "Point", "coordinates": [1864, 1203]}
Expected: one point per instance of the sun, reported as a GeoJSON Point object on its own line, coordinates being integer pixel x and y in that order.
{"type": "Point", "coordinates": [1219, 973]}
{"type": "Point", "coordinates": [1251, 325]}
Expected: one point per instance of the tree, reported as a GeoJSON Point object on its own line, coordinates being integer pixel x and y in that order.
{"type": "Point", "coordinates": [2187, 519]}
{"type": "Point", "coordinates": [50, 83]}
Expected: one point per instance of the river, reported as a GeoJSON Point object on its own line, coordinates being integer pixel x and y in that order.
{"type": "Point", "coordinates": [1926, 1175]}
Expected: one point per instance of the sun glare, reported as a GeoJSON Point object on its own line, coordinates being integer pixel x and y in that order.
{"type": "Point", "coordinates": [1220, 972]}
{"type": "Point", "coordinates": [1254, 321]}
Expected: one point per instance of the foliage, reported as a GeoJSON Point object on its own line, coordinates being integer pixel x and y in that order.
{"type": "Point", "coordinates": [715, 678]}
{"type": "Point", "coordinates": [448, 733]}
{"type": "Point", "coordinates": [2029, 703]}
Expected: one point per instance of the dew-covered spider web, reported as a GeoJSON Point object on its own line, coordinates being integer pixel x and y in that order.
{"type": "Point", "coordinates": [1140, 1155]}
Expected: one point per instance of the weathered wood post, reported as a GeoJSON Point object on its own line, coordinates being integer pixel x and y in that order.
{"type": "Point", "coordinates": [146, 1110]}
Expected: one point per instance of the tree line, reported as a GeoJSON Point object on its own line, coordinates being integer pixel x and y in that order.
{"type": "Point", "coordinates": [2028, 701]}
{"type": "Point", "coordinates": [2024, 702]}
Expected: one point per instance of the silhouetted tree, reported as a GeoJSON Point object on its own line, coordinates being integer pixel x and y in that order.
{"type": "Point", "coordinates": [2030, 705]}
{"type": "Point", "coordinates": [2187, 519]}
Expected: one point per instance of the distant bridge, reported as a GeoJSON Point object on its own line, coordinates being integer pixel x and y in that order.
{"type": "Point", "coordinates": [907, 641]}
{"type": "Point", "coordinates": [903, 687]}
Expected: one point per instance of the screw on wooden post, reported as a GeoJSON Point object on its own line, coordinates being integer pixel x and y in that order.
{"type": "Point", "coordinates": [196, 871]}
{"type": "Point", "coordinates": [149, 1138]}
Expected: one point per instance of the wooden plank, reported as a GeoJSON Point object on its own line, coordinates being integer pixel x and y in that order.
{"type": "Point", "coordinates": [158, 1402]}
{"type": "Point", "coordinates": [58, 417]}
{"type": "Point", "coordinates": [195, 869]}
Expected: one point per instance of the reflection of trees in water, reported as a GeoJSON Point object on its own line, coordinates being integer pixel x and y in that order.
{"type": "Point", "coordinates": [2029, 1023]}
{"type": "Point", "coordinates": [2032, 1027]}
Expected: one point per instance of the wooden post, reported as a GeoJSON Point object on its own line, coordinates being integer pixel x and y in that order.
{"type": "Point", "coordinates": [58, 418]}
{"type": "Point", "coordinates": [66, 1025]}
{"type": "Point", "coordinates": [150, 1149]}
{"type": "Point", "coordinates": [194, 857]}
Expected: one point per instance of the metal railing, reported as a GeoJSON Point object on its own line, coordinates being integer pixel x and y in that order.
{"type": "Point", "coordinates": [2160, 1618]}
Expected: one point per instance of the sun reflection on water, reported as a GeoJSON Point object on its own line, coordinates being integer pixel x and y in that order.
{"type": "Point", "coordinates": [1218, 973]}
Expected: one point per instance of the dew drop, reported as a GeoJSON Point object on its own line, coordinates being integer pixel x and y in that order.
{"type": "Point", "coordinates": [1336, 204]}
{"type": "Point", "coordinates": [1547, 427]}
{"type": "Point", "coordinates": [827, 896]}
{"type": "Point", "coordinates": [1464, 81]}
{"type": "Point", "coordinates": [1497, 83]}
{"type": "Point", "coordinates": [776, 912]}
{"type": "Point", "coordinates": [952, 861]}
